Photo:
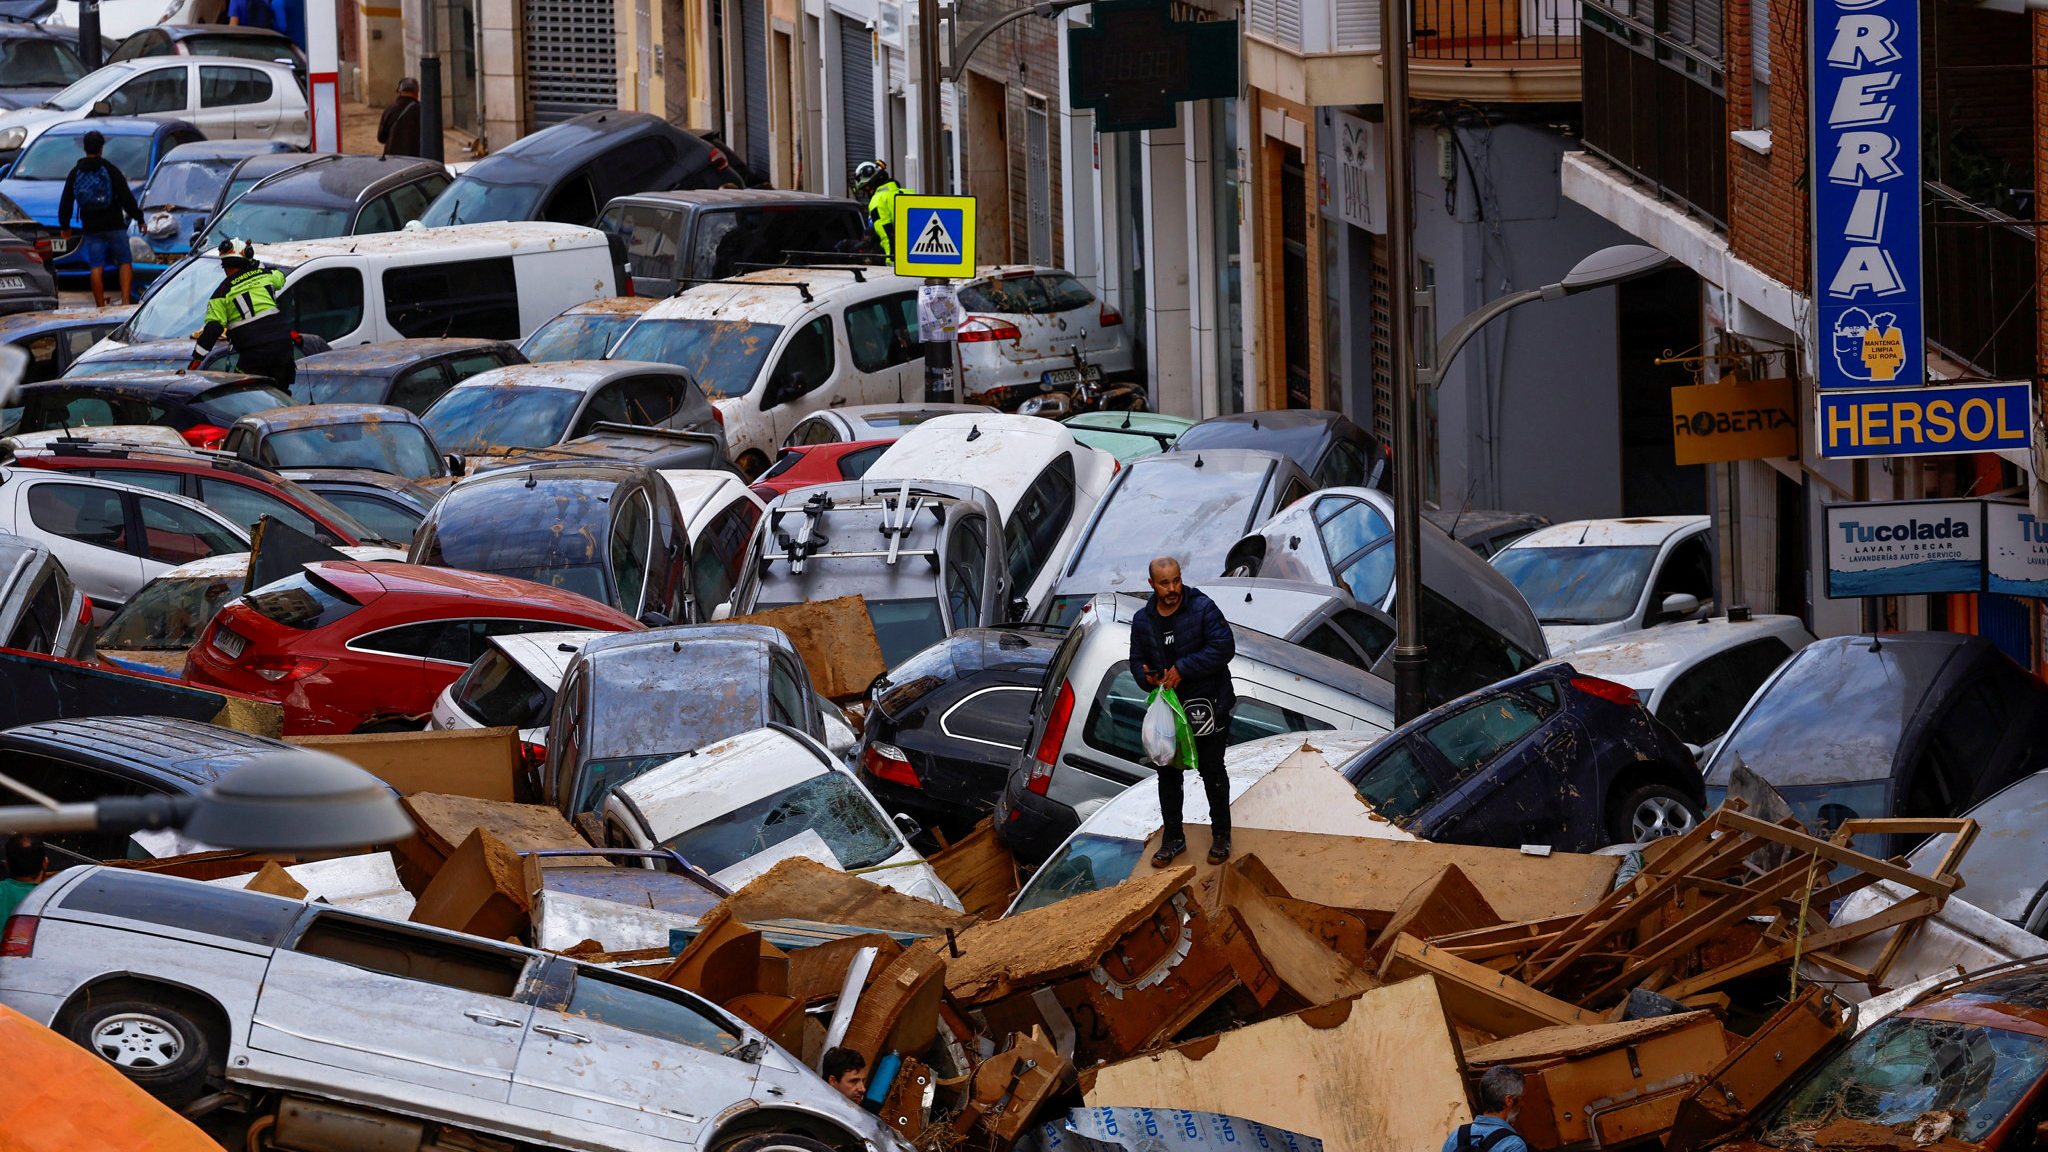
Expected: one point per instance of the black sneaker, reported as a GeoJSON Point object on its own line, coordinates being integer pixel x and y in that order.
{"type": "Point", "coordinates": [1167, 852]}
{"type": "Point", "coordinates": [1219, 849]}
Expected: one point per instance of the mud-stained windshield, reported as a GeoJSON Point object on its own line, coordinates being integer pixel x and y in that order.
{"type": "Point", "coordinates": [1907, 1074]}
{"type": "Point", "coordinates": [725, 356]}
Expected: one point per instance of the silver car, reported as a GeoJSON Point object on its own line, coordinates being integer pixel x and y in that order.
{"type": "Point", "coordinates": [41, 610]}
{"type": "Point", "coordinates": [1027, 329]}
{"type": "Point", "coordinates": [323, 1020]}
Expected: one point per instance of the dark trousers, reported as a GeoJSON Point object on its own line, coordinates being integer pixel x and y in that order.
{"type": "Point", "coordinates": [272, 360]}
{"type": "Point", "coordinates": [1209, 763]}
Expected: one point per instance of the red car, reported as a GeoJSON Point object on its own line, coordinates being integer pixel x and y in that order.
{"type": "Point", "coordinates": [802, 465]}
{"type": "Point", "coordinates": [242, 492]}
{"type": "Point", "coordinates": [366, 646]}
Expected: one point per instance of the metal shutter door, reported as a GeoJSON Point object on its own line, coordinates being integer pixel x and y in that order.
{"type": "Point", "coordinates": [856, 90]}
{"type": "Point", "coordinates": [570, 63]}
{"type": "Point", "coordinates": [754, 43]}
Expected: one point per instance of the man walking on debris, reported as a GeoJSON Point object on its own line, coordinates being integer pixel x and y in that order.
{"type": "Point", "coordinates": [1493, 1130]}
{"type": "Point", "coordinates": [1180, 640]}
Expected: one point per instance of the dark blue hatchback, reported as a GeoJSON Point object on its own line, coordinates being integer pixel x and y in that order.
{"type": "Point", "coordinates": [1547, 757]}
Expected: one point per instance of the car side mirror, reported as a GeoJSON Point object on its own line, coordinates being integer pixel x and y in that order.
{"type": "Point", "coordinates": [911, 829]}
{"type": "Point", "coordinates": [1019, 605]}
{"type": "Point", "coordinates": [1678, 605]}
{"type": "Point", "coordinates": [457, 463]}
{"type": "Point", "coordinates": [103, 108]}
{"type": "Point", "coordinates": [787, 386]}
{"type": "Point", "coordinates": [198, 225]}
{"type": "Point", "coordinates": [722, 612]}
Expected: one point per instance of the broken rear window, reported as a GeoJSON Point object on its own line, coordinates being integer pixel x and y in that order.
{"type": "Point", "coordinates": [1904, 1071]}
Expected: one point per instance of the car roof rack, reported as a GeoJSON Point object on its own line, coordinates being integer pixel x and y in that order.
{"type": "Point", "coordinates": [859, 270]}
{"type": "Point", "coordinates": [842, 259]}
{"type": "Point", "coordinates": [802, 286]}
{"type": "Point", "coordinates": [899, 515]}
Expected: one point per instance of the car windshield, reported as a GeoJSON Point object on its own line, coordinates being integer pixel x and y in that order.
{"type": "Point", "coordinates": [471, 201]}
{"type": "Point", "coordinates": [1904, 1070]}
{"type": "Point", "coordinates": [487, 416]}
{"type": "Point", "coordinates": [830, 805]}
{"type": "Point", "coordinates": [582, 579]}
{"type": "Point", "coordinates": [176, 305]}
{"type": "Point", "coordinates": [266, 222]}
{"type": "Point", "coordinates": [400, 449]}
{"type": "Point", "coordinates": [1579, 585]}
{"type": "Point", "coordinates": [169, 612]}
{"type": "Point", "coordinates": [38, 64]}
{"type": "Point", "coordinates": [725, 356]}
{"type": "Point", "coordinates": [226, 405]}
{"type": "Point", "coordinates": [575, 337]}
{"type": "Point", "coordinates": [384, 517]}
{"type": "Point", "coordinates": [1203, 511]}
{"type": "Point", "coordinates": [87, 88]}
{"type": "Point", "coordinates": [1086, 863]}
{"type": "Point", "coordinates": [187, 184]}
{"type": "Point", "coordinates": [53, 154]}
{"type": "Point", "coordinates": [601, 776]}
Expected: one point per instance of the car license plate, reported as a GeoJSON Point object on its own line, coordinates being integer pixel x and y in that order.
{"type": "Point", "coordinates": [11, 284]}
{"type": "Point", "coordinates": [230, 643]}
{"type": "Point", "coordinates": [1068, 377]}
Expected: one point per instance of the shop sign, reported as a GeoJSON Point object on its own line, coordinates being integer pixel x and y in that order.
{"type": "Point", "coordinates": [2015, 550]}
{"type": "Point", "coordinates": [1926, 421]}
{"type": "Point", "coordinates": [1749, 420]}
{"type": "Point", "coordinates": [1904, 547]}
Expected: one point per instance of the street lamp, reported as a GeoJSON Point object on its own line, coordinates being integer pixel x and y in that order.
{"type": "Point", "coordinates": [1608, 266]}
{"type": "Point", "coordinates": [286, 801]}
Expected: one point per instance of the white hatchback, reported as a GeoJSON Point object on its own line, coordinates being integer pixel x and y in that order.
{"type": "Point", "coordinates": [1695, 675]}
{"type": "Point", "coordinates": [1592, 580]}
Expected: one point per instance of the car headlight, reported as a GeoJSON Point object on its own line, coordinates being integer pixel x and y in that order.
{"type": "Point", "coordinates": [12, 138]}
{"type": "Point", "coordinates": [1032, 406]}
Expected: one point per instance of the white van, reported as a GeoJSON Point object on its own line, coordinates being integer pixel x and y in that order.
{"type": "Point", "coordinates": [772, 347]}
{"type": "Point", "coordinates": [496, 281]}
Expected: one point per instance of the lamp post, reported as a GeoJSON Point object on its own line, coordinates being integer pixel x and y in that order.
{"type": "Point", "coordinates": [1614, 265]}
{"type": "Point", "coordinates": [296, 801]}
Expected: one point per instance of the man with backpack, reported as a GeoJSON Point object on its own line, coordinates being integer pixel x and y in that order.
{"type": "Point", "coordinates": [1493, 1130]}
{"type": "Point", "coordinates": [105, 205]}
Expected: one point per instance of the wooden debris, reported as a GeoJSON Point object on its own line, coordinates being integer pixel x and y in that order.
{"type": "Point", "coordinates": [803, 889]}
{"type": "Point", "coordinates": [1306, 966]}
{"type": "Point", "coordinates": [478, 891]}
{"type": "Point", "coordinates": [1743, 1083]}
{"type": "Point", "coordinates": [899, 1011]}
{"type": "Point", "coordinates": [836, 639]}
{"type": "Point", "coordinates": [817, 973]}
{"type": "Point", "coordinates": [1008, 1088]}
{"type": "Point", "coordinates": [1607, 1083]}
{"type": "Point", "coordinates": [273, 879]}
{"type": "Point", "coordinates": [980, 871]}
{"type": "Point", "coordinates": [1480, 997]}
{"type": "Point", "coordinates": [1048, 944]}
{"type": "Point", "coordinates": [1444, 904]}
{"type": "Point", "coordinates": [483, 763]}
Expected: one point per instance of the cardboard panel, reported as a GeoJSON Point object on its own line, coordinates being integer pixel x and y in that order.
{"type": "Point", "coordinates": [480, 890]}
{"type": "Point", "coordinates": [836, 639]}
{"type": "Point", "coordinates": [980, 871]}
{"type": "Point", "coordinates": [482, 763]}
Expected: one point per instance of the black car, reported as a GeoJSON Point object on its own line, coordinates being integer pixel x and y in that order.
{"type": "Point", "coordinates": [1904, 724]}
{"type": "Point", "coordinates": [35, 64]}
{"type": "Point", "coordinates": [331, 195]}
{"type": "Point", "coordinates": [239, 41]}
{"type": "Point", "coordinates": [947, 723]}
{"type": "Point", "coordinates": [710, 235]}
{"type": "Point", "coordinates": [1546, 757]}
{"type": "Point", "coordinates": [1334, 451]}
{"type": "Point", "coordinates": [249, 172]}
{"type": "Point", "coordinates": [199, 405]}
{"type": "Point", "coordinates": [391, 507]}
{"type": "Point", "coordinates": [568, 172]}
{"type": "Point", "coordinates": [26, 284]}
{"type": "Point", "coordinates": [54, 340]}
{"type": "Point", "coordinates": [78, 760]}
{"type": "Point", "coordinates": [408, 374]}
{"type": "Point", "coordinates": [608, 530]}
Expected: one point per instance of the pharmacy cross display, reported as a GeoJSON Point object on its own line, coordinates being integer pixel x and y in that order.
{"type": "Point", "coordinates": [1136, 62]}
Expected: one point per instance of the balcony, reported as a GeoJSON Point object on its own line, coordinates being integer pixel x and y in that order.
{"type": "Point", "coordinates": [1495, 50]}
{"type": "Point", "coordinates": [1314, 52]}
{"type": "Point", "coordinates": [1655, 104]}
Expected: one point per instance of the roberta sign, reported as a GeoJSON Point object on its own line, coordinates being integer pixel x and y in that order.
{"type": "Point", "coordinates": [1866, 192]}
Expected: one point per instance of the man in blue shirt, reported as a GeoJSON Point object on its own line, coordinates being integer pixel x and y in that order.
{"type": "Point", "coordinates": [1493, 1130]}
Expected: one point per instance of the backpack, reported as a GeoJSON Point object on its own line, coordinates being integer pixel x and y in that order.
{"type": "Point", "coordinates": [94, 187]}
{"type": "Point", "coordinates": [1486, 1143]}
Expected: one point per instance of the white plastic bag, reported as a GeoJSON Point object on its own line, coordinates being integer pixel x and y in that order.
{"type": "Point", "coordinates": [1158, 733]}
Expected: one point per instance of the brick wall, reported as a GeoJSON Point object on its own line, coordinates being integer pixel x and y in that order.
{"type": "Point", "coordinates": [1768, 222]}
{"type": "Point", "coordinates": [1025, 58]}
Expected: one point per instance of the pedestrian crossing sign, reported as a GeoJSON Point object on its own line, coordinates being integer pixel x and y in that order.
{"type": "Point", "coordinates": [934, 236]}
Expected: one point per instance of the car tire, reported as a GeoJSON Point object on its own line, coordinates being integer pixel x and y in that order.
{"type": "Point", "coordinates": [772, 1142]}
{"type": "Point", "coordinates": [751, 464]}
{"type": "Point", "coordinates": [161, 1048]}
{"type": "Point", "coordinates": [1651, 812]}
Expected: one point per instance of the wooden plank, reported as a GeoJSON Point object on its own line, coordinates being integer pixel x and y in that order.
{"type": "Point", "coordinates": [1378, 1071]}
{"type": "Point", "coordinates": [446, 821]}
{"type": "Point", "coordinates": [1444, 904]}
{"type": "Point", "coordinates": [980, 871]}
{"type": "Point", "coordinates": [1480, 997]}
{"type": "Point", "coordinates": [1059, 940]}
{"type": "Point", "coordinates": [1903, 912]}
{"type": "Point", "coordinates": [899, 1010]}
{"type": "Point", "coordinates": [1836, 854]}
{"type": "Point", "coordinates": [802, 889]}
{"type": "Point", "coordinates": [836, 639]}
{"type": "Point", "coordinates": [1693, 929]}
{"type": "Point", "coordinates": [1309, 969]}
{"type": "Point", "coordinates": [477, 762]}
{"type": "Point", "coordinates": [817, 973]}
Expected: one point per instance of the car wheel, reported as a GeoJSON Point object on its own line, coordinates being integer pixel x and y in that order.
{"type": "Point", "coordinates": [751, 465]}
{"type": "Point", "coordinates": [161, 1048]}
{"type": "Point", "coordinates": [1651, 812]}
{"type": "Point", "coordinates": [773, 1142]}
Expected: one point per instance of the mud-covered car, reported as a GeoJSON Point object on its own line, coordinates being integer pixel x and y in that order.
{"type": "Point", "coordinates": [375, 437]}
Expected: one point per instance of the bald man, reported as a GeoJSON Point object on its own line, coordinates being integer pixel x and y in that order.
{"type": "Point", "coordinates": [1180, 640]}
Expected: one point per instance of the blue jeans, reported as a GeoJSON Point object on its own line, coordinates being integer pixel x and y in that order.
{"type": "Point", "coordinates": [105, 249]}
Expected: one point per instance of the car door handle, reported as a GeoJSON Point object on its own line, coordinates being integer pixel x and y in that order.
{"type": "Point", "coordinates": [562, 1034]}
{"type": "Point", "coordinates": [837, 401]}
{"type": "Point", "coordinates": [483, 1017]}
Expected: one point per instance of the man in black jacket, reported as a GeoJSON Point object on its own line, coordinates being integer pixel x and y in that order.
{"type": "Point", "coordinates": [399, 129]}
{"type": "Point", "coordinates": [1180, 640]}
{"type": "Point", "coordinates": [105, 205]}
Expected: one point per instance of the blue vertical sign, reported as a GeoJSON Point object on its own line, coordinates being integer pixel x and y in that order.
{"type": "Point", "coordinates": [1866, 193]}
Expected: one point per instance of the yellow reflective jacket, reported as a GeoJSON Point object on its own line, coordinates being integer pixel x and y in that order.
{"type": "Point", "coordinates": [882, 212]}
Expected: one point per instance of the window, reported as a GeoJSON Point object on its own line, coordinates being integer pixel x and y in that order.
{"type": "Point", "coordinates": [817, 431]}
{"type": "Point", "coordinates": [644, 400]}
{"type": "Point", "coordinates": [170, 482]}
{"type": "Point", "coordinates": [1039, 521]}
{"type": "Point", "coordinates": [458, 298]}
{"type": "Point", "coordinates": [1372, 633]}
{"type": "Point", "coordinates": [78, 512]}
{"type": "Point", "coordinates": [639, 1005]}
{"type": "Point", "coordinates": [69, 410]}
{"type": "Point", "coordinates": [303, 601]}
{"type": "Point", "coordinates": [389, 519]}
{"type": "Point", "coordinates": [1688, 570]}
{"type": "Point", "coordinates": [635, 165]}
{"type": "Point", "coordinates": [462, 367]}
{"type": "Point", "coordinates": [377, 216]}
{"type": "Point", "coordinates": [1117, 714]}
{"type": "Point", "coordinates": [1473, 735]}
{"type": "Point", "coordinates": [1348, 527]}
{"type": "Point", "coordinates": [159, 91]}
{"type": "Point", "coordinates": [727, 238]}
{"type": "Point", "coordinates": [1473, 655]}
{"type": "Point", "coordinates": [966, 569]}
{"type": "Point", "coordinates": [805, 365]}
{"type": "Point", "coordinates": [999, 716]}
{"type": "Point", "coordinates": [1704, 700]}
{"type": "Point", "coordinates": [1342, 466]}
{"type": "Point", "coordinates": [573, 203]}
{"type": "Point", "coordinates": [1327, 640]}
{"type": "Point", "coordinates": [631, 535]}
{"type": "Point", "coordinates": [1396, 785]}
{"type": "Point", "coordinates": [650, 234]}
{"type": "Point", "coordinates": [497, 692]}
{"type": "Point", "coordinates": [1294, 491]}
{"type": "Point", "coordinates": [245, 505]}
{"type": "Point", "coordinates": [719, 555]}
{"type": "Point", "coordinates": [175, 903]}
{"type": "Point", "coordinates": [140, 44]}
{"type": "Point", "coordinates": [220, 86]}
{"type": "Point", "coordinates": [417, 388]}
{"type": "Point", "coordinates": [409, 200]}
{"type": "Point", "coordinates": [174, 534]}
{"type": "Point", "coordinates": [786, 697]}
{"type": "Point", "coordinates": [42, 619]}
{"type": "Point", "coordinates": [413, 955]}
{"type": "Point", "coordinates": [449, 641]}
{"type": "Point", "coordinates": [880, 334]}
{"type": "Point", "coordinates": [1028, 295]}
{"type": "Point", "coordinates": [854, 465]}
{"type": "Point", "coordinates": [328, 303]}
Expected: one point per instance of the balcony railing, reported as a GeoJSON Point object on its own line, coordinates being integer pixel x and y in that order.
{"type": "Point", "coordinates": [1980, 286]}
{"type": "Point", "coordinates": [1474, 31]}
{"type": "Point", "coordinates": [1655, 106]}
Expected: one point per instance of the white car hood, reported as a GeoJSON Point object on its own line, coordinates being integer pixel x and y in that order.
{"type": "Point", "coordinates": [1565, 637]}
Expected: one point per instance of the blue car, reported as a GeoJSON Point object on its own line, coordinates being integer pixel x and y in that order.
{"type": "Point", "coordinates": [1547, 757]}
{"type": "Point", "coordinates": [183, 190]}
{"type": "Point", "coordinates": [135, 145]}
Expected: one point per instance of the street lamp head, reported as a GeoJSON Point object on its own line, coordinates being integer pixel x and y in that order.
{"type": "Point", "coordinates": [1614, 265]}
{"type": "Point", "coordinates": [301, 800]}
